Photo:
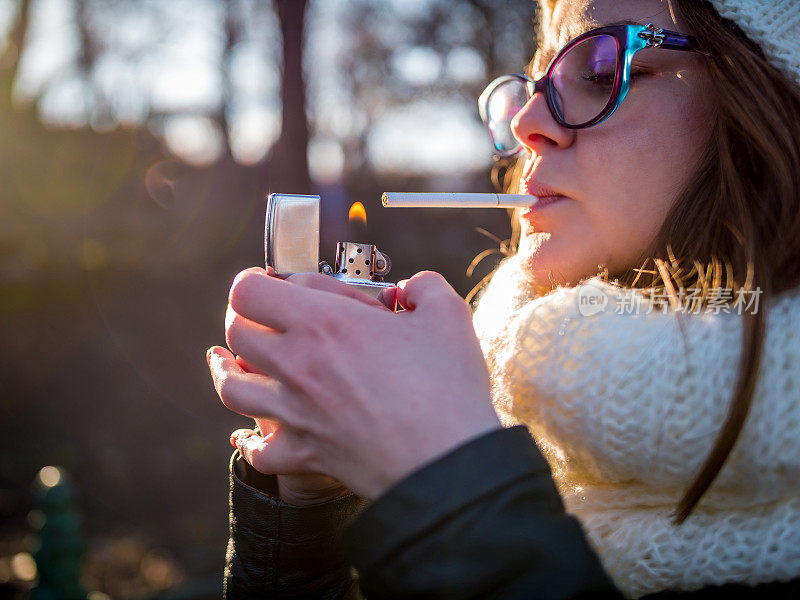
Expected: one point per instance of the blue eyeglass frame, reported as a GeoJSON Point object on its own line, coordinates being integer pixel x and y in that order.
{"type": "Point", "coordinates": [630, 40]}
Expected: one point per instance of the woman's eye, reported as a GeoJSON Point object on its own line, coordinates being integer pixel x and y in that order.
{"type": "Point", "coordinates": [608, 78]}
{"type": "Point", "coordinates": [600, 79]}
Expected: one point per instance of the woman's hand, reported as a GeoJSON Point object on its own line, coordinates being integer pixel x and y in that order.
{"type": "Point", "coordinates": [300, 489]}
{"type": "Point", "coordinates": [361, 393]}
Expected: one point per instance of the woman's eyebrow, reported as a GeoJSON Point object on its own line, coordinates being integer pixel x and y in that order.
{"type": "Point", "coordinates": [548, 52]}
{"type": "Point", "coordinates": [622, 22]}
{"type": "Point", "coordinates": [589, 25]}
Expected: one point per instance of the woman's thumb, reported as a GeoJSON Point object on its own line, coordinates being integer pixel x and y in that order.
{"type": "Point", "coordinates": [267, 454]}
{"type": "Point", "coordinates": [424, 288]}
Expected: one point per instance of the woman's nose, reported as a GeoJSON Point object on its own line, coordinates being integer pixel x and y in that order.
{"type": "Point", "coordinates": [535, 128]}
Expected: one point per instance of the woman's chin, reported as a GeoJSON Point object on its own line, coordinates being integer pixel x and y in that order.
{"type": "Point", "coordinates": [551, 263]}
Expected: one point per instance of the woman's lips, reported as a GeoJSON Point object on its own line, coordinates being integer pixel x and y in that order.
{"type": "Point", "coordinates": [530, 212]}
{"type": "Point", "coordinates": [545, 195]}
{"type": "Point", "coordinates": [541, 203]}
{"type": "Point", "coordinates": [528, 184]}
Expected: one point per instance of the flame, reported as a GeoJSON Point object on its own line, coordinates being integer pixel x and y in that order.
{"type": "Point", "coordinates": [357, 213]}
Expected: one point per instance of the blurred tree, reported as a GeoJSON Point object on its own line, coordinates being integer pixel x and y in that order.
{"type": "Point", "coordinates": [14, 45]}
{"type": "Point", "coordinates": [290, 153]}
{"type": "Point", "coordinates": [507, 27]}
{"type": "Point", "coordinates": [89, 49]}
{"type": "Point", "coordinates": [396, 54]}
{"type": "Point", "coordinates": [250, 55]}
{"type": "Point", "coordinates": [232, 33]}
{"type": "Point", "coordinates": [140, 62]}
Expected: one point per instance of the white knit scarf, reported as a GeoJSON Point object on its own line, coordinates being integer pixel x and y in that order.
{"type": "Point", "coordinates": [625, 407]}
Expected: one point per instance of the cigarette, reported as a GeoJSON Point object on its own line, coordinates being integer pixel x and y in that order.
{"type": "Point", "coordinates": [456, 200]}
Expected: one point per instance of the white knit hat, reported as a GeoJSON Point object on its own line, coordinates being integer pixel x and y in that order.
{"type": "Point", "coordinates": [773, 24]}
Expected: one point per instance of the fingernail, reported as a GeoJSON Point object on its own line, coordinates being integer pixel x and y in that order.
{"type": "Point", "coordinates": [209, 352]}
{"type": "Point", "coordinates": [236, 436]}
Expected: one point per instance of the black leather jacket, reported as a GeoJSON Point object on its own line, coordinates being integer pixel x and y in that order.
{"type": "Point", "coordinates": [484, 521]}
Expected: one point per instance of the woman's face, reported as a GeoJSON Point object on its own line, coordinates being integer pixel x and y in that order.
{"type": "Point", "coordinates": [620, 178]}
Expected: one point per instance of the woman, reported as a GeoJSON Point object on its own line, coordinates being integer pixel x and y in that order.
{"type": "Point", "coordinates": [665, 157]}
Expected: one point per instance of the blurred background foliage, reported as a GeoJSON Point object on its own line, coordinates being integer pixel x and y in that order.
{"type": "Point", "coordinates": [138, 142]}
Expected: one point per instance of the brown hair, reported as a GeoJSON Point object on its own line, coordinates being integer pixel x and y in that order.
{"type": "Point", "coordinates": [737, 222]}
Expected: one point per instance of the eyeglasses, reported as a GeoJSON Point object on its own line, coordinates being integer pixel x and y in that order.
{"type": "Point", "coordinates": [583, 85]}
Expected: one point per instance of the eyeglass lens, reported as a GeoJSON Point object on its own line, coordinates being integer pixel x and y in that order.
{"type": "Point", "coordinates": [505, 101]}
{"type": "Point", "coordinates": [583, 79]}
{"type": "Point", "coordinates": [582, 85]}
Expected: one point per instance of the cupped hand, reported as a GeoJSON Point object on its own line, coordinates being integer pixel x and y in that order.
{"type": "Point", "coordinates": [297, 489]}
{"type": "Point", "coordinates": [361, 393]}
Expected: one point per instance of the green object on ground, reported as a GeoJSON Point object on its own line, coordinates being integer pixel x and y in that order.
{"type": "Point", "coordinates": [59, 544]}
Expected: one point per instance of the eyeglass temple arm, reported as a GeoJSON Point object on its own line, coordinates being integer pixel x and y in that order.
{"type": "Point", "coordinates": [671, 40]}
{"type": "Point", "coordinates": [677, 41]}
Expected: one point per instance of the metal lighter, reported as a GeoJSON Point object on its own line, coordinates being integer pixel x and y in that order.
{"type": "Point", "coordinates": [291, 245]}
